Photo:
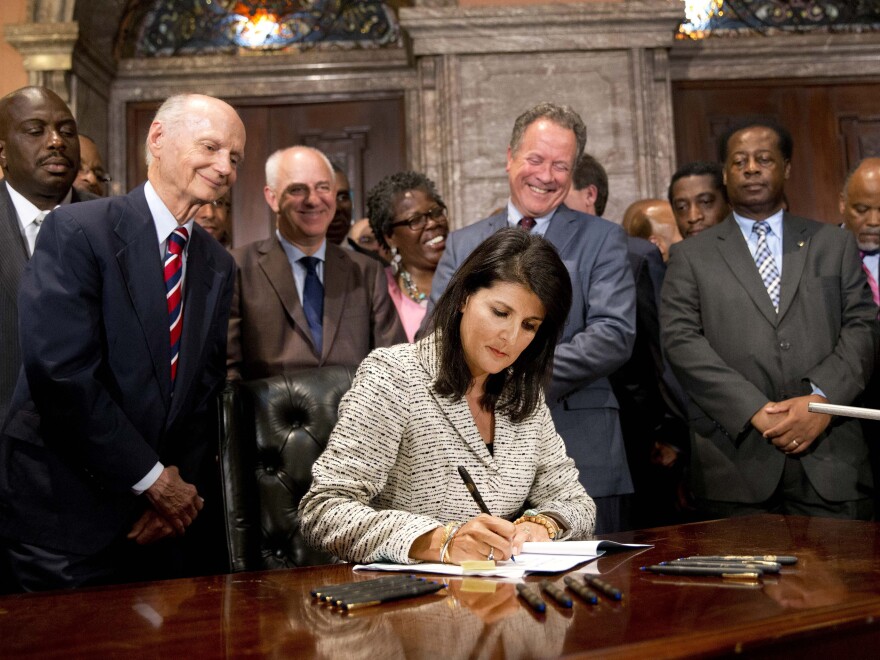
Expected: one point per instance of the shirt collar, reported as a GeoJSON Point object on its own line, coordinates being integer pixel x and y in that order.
{"type": "Point", "coordinates": [163, 219]}
{"type": "Point", "coordinates": [294, 254]}
{"type": "Point", "coordinates": [514, 215]}
{"type": "Point", "coordinates": [746, 224]}
{"type": "Point", "coordinates": [26, 211]}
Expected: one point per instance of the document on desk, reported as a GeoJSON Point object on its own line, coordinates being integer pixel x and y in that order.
{"type": "Point", "coordinates": [535, 558]}
{"type": "Point", "coordinates": [580, 547]}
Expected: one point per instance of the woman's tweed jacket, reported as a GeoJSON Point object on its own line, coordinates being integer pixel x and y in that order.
{"type": "Point", "coordinates": [390, 470]}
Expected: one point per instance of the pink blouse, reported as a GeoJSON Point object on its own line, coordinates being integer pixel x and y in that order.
{"type": "Point", "coordinates": [410, 312]}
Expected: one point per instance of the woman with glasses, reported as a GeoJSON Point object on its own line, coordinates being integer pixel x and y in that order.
{"type": "Point", "coordinates": [408, 218]}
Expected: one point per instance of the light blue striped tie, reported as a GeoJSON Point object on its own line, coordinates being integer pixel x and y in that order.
{"type": "Point", "coordinates": [767, 264]}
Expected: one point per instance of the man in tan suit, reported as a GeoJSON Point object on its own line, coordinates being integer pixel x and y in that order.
{"type": "Point", "coordinates": [299, 300]}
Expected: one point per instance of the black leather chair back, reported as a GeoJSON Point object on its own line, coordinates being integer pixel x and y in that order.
{"type": "Point", "coordinates": [272, 430]}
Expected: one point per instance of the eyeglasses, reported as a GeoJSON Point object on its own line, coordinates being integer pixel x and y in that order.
{"type": "Point", "coordinates": [100, 174]}
{"type": "Point", "coordinates": [418, 222]}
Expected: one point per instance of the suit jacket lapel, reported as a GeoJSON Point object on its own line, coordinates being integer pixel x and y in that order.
{"type": "Point", "coordinates": [337, 271]}
{"type": "Point", "coordinates": [795, 246]}
{"type": "Point", "coordinates": [14, 244]}
{"type": "Point", "coordinates": [457, 413]}
{"type": "Point", "coordinates": [273, 261]}
{"type": "Point", "coordinates": [735, 251]}
{"type": "Point", "coordinates": [13, 249]}
{"type": "Point", "coordinates": [558, 231]}
{"type": "Point", "coordinates": [141, 267]}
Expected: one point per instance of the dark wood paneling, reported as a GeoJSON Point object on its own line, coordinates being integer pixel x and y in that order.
{"type": "Point", "coordinates": [368, 135]}
{"type": "Point", "coordinates": [833, 125]}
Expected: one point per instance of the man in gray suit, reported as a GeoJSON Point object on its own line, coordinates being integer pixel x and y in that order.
{"type": "Point", "coordinates": [301, 301]}
{"type": "Point", "coordinates": [762, 315]}
{"type": "Point", "coordinates": [600, 329]}
{"type": "Point", "coordinates": [39, 155]}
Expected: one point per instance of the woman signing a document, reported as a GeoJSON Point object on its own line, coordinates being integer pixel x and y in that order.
{"type": "Point", "coordinates": [387, 488]}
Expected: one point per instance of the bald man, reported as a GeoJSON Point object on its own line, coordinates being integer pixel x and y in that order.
{"type": "Point", "coordinates": [300, 300]}
{"type": "Point", "coordinates": [653, 220]}
{"type": "Point", "coordinates": [860, 209]}
{"type": "Point", "coordinates": [125, 305]}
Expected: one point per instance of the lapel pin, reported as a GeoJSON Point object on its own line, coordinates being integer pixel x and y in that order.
{"type": "Point", "coordinates": [800, 244]}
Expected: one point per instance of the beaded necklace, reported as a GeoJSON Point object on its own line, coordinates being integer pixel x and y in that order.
{"type": "Point", "coordinates": [410, 287]}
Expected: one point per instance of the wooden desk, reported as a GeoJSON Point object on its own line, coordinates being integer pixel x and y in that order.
{"type": "Point", "coordinates": [830, 600]}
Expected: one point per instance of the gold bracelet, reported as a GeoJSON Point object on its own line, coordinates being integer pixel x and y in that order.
{"type": "Point", "coordinates": [449, 532]}
{"type": "Point", "coordinates": [548, 523]}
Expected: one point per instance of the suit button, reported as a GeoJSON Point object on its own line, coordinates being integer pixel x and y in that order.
{"type": "Point", "coordinates": [785, 344]}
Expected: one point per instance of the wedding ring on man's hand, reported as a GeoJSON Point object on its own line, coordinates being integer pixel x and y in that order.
{"type": "Point", "coordinates": [491, 555]}
{"type": "Point", "coordinates": [795, 443]}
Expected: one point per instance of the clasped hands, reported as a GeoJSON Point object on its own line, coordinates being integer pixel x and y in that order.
{"type": "Point", "coordinates": [479, 538]}
{"type": "Point", "coordinates": [174, 505]}
{"type": "Point", "coordinates": [789, 425]}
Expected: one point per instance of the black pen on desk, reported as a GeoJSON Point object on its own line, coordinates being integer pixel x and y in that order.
{"type": "Point", "coordinates": [531, 597]}
{"type": "Point", "coordinates": [611, 592]}
{"type": "Point", "coordinates": [386, 596]}
{"type": "Point", "coordinates": [732, 573]}
{"type": "Point", "coordinates": [556, 593]}
{"type": "Point", "coordinates": [581, 590]}
{"type": "Point", "coordinates": [475, 494]}
{"type": "Point", "coordinates": [763, 567]}
{"type": "Point", "coordinates": [785, 560]}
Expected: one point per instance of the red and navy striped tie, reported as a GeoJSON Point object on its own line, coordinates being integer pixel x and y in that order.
{"type": "Point", "coordinates": [173, 284]}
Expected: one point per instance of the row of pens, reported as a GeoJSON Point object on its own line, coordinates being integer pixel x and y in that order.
{"type": "Point", "coordinates": [366, 593]}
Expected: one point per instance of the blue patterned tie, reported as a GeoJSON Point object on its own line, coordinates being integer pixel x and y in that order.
{"type": "Point", "coordinates": [313, 302]}
{"type": "Point", "coordinates": [767, 264]}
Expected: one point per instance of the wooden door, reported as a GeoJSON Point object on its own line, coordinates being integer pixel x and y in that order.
{"type": "Point", "coordinates": [833, 124]}
{"type": "Point", "coordinates": [366, 137]}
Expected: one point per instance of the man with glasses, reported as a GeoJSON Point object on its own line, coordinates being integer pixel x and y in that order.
{"type": "Point", "coordinates": [301, 301]}
{"type": "Point", "coordinates": [341, 223]}
{"type": "Point", "coordinates": [92, 176]}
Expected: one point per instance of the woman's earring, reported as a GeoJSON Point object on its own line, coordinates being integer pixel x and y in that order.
{"type": "Point", "coordinates": [395, 260]}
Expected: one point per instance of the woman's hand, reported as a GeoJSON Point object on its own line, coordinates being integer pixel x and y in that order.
{"type": "Point", "coordinates": [482, 536]}
{"type": "Point", "coordinates": [528, 531]}
{"type": "Point", "coordinates": [475, 540]}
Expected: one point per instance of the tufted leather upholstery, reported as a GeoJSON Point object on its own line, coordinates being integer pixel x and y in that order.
{"type": "Point", "coordinates": [272, 430]}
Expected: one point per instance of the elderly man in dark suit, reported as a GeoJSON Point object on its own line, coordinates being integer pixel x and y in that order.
{"type": "Point", "coordinates": [761, 315]}
{"type": "Point", "coordinates": [39, 155]}
{"type": "Point", "coordinates": [600, 329]}
{"type": "Point", "coordinates": [301, 301]}
{"type": "Point", "coordinates": [124, 307]}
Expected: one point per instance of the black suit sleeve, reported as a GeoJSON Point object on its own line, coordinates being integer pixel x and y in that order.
{"type": "Point", "coordinates": [61, 309]}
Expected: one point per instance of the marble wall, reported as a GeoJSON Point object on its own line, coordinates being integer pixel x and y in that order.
{"type": "Point", "coordinates": [483, 67]}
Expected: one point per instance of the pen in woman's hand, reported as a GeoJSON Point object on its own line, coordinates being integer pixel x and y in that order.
{"type": "Point", "coordinates": [472, 489]}
{"type": "Point", "coordinates": [475, 494]}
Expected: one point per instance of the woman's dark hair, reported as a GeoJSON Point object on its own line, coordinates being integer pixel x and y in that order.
{"type": "Point", "coordinates": [517, 257]}
{"type": "Point", "coordinates": [380, 200]}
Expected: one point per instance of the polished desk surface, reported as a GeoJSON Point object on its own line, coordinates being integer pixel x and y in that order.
{"type": "Point", "coordinates": [828, 603]}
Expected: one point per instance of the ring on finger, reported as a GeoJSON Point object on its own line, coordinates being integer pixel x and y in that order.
{"type": "Point", "coordinates": [491, 555]}
{"type": "Point", "coordinates": [795, 443]}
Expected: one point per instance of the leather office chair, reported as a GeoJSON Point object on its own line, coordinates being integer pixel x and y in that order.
{"type": "Point", "coordinates": [271, 432]}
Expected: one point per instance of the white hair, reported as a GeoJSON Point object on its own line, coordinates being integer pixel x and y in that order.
{"type": "Point", "coordinates": [171, 114]}
{"type": "Point", "coordinates": [273, 163]}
